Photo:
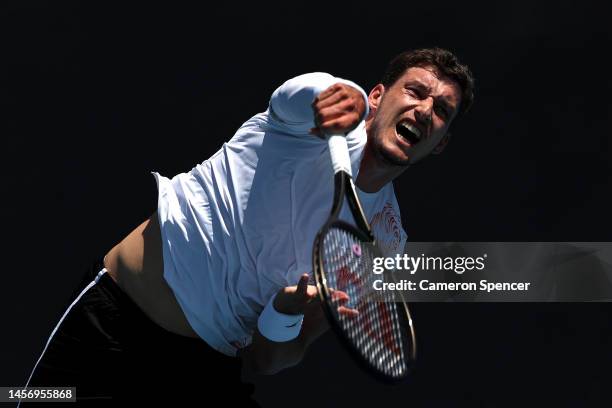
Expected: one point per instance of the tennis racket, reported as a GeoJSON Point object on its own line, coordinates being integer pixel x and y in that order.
{"type": "Point", "coordinates": [380, 335]}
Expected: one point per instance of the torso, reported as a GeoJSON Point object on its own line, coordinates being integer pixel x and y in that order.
{"type": "Point", "coordinates": [136, 265]}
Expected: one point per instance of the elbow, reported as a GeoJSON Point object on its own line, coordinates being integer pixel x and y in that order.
{"type": "Point", "coordinates": [260, 366]}
{"type": "Point", "coordinates": [269, 363]}
{"type": "Point", "coordinates": [265, 368]}
{"type": "Point", "coordinates": [271, 366]}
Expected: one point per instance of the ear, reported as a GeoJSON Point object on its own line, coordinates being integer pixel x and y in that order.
{"type": "Point", "coordinates": [442, 144]}
{"type": "Point", "coordinates": [375, 96]}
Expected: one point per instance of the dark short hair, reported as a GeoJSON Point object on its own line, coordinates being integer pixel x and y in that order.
{"type": "Point", "coordinates": [444, 61]}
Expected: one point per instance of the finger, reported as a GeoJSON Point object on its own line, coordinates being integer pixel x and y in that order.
{"type": "Point", "coordinates": [302, 287]}
{"type": "Point", "coordinates": [348, 312]}
{"type": "Point", "coordinates": [339, 296]}
{"type": "Point", "coordinates": [327, 92]}
{"type": "Point", "coordinates": [340, 107]}
{"type": "Point", "coordinates": [312, 292]}
{"type": "Point", "coordinates": [344, 110]}
{"type": "Point", "coordinates": [334, 98]}
{"type": "Point", "coordinates": [341, 124]}
{"type": "Point", "coordinates": [329, 115]}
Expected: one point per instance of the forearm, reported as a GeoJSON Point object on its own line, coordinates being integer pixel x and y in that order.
{"type": "Point", "coordinates": [267, 357]}
{"type": "Point", "coordinates": [294, 318]}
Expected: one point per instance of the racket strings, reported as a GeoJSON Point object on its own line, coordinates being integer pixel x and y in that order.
{"type": "Point", "coordinates": [376, 330]}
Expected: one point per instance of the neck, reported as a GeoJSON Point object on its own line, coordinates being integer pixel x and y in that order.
{"type": "Point", "coordinates": [374, 173]}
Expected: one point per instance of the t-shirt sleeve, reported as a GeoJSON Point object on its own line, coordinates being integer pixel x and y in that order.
{"type": "Point", "coordinates": [290, 104]}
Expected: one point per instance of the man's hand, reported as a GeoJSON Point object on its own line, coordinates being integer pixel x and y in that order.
{"type": "Point", "coordinates": [267, 357]}
{"type": "Point", "coordinates": [295, 299]}
{"type": "Point", "coordinates": [303, 299]}
{"type": "Point", "coordinates": [338, 109]}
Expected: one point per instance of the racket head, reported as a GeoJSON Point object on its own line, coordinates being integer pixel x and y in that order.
{"type": "Point", "coordinates": [381, 337]}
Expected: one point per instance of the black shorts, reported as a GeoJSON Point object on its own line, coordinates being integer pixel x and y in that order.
{"type": "Point", "coordinates": [108, 349]}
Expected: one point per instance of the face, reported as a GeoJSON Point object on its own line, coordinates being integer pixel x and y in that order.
{"type": "Point", "coordinates": [411, 117]}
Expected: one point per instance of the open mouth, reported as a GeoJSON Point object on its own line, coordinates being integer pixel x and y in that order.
{"type": "Point", "coordinates": [408, 133]}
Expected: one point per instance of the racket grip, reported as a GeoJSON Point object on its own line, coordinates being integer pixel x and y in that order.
{"type": "Point", "coordinates": [338, 150]}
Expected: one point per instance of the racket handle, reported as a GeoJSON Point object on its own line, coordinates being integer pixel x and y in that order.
{"type": "Point", "coordinates": [338, 150]}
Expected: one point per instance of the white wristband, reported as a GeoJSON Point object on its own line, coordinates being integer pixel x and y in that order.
{"type": "Point", "coordinates": [276, 326]}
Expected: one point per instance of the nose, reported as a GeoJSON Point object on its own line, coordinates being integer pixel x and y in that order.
{"type": "Point", "coordinates": [423, 111]}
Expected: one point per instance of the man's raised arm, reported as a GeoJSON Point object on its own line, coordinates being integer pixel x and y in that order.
{"type": "Point", "coordinates": [291, 105]}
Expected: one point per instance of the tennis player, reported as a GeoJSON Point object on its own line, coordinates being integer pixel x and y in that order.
{"type": "Point", "coordinates": [219, 275]}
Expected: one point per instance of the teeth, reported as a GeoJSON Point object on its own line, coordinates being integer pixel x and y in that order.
{"type": "Point", "coordinates": [412, 129]}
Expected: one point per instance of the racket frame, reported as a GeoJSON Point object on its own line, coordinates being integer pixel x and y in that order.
{"type": "Point", "coordinates": [345, 188]}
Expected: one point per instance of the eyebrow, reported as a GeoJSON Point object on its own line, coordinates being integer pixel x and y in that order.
{"type": "Point", "coordinates": [441, 99]}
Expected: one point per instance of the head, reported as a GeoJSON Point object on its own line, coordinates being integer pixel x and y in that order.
{"type": "Point", "coordinates": [420, 95]}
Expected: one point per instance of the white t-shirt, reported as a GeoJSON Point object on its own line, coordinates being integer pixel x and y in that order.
{"type": "Point", "coordinates": [240, 226]}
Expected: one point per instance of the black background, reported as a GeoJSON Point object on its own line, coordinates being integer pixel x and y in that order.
{"type": "Point", "coordinates": [94, 97]}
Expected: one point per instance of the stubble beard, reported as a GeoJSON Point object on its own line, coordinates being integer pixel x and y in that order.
{"type": "Point", "coordinates": [385, 156]}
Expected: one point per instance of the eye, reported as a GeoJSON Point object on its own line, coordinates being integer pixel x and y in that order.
{"type": "Point", "coordinates": [441, 111]}
{"type": "Point", "coordinates": [414, 92]}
